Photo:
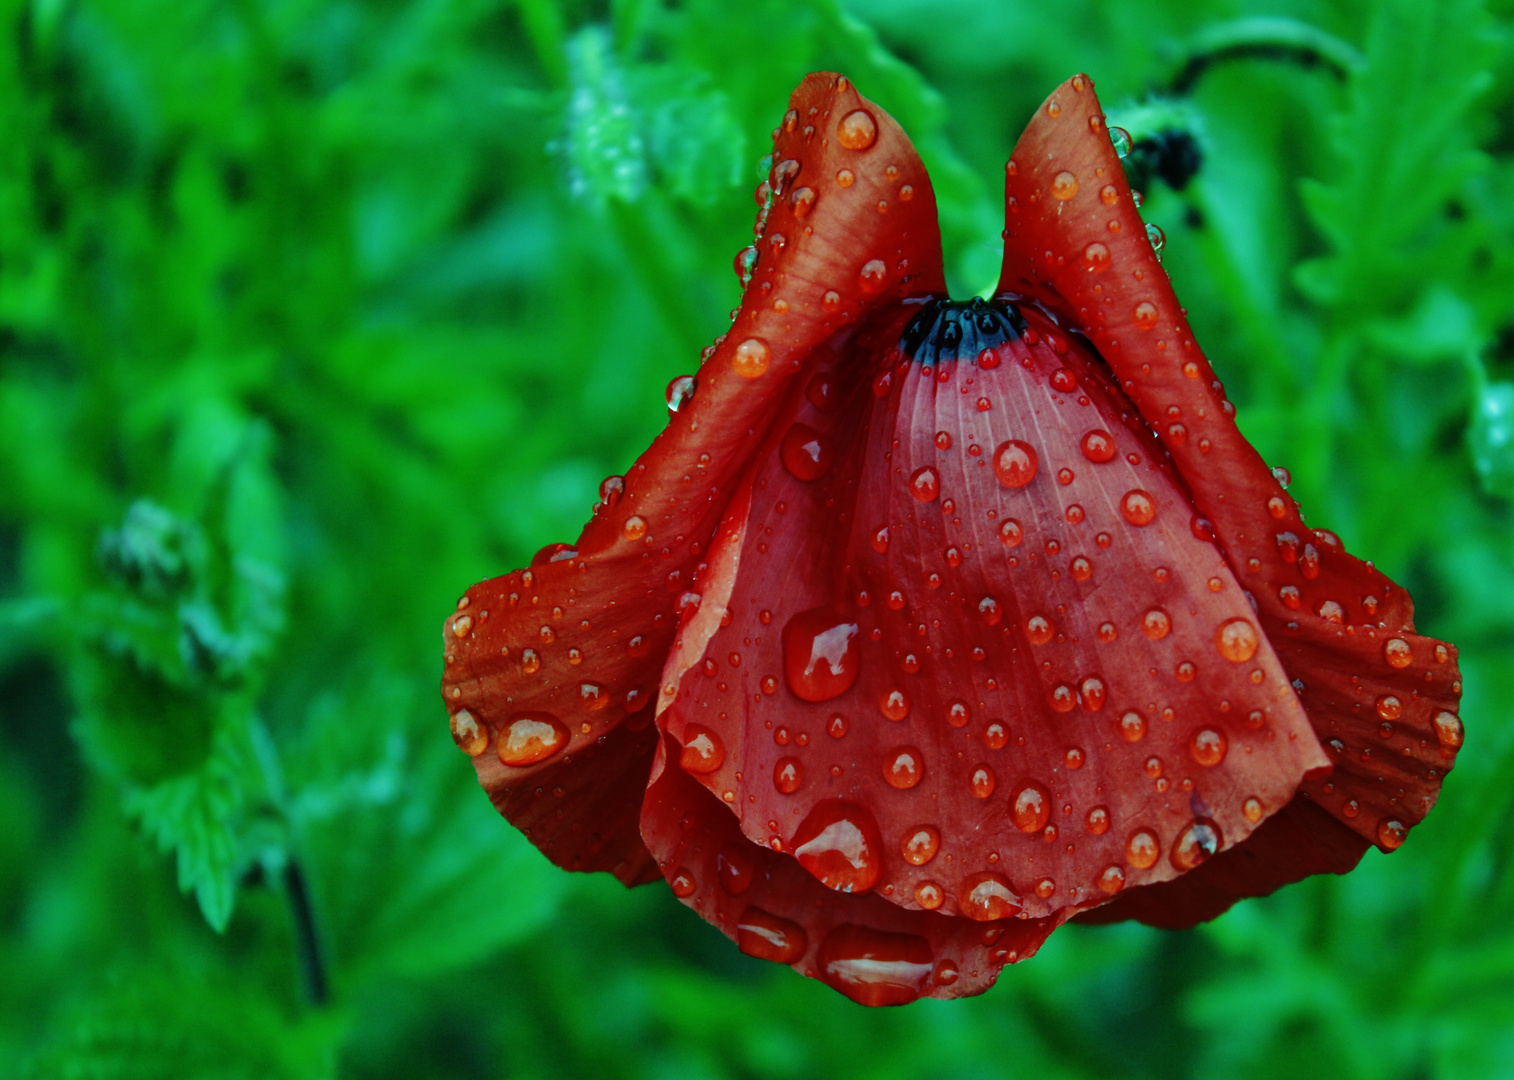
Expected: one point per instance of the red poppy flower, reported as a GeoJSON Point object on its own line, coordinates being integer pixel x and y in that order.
{"type": "Point", "coordinates": [927, 625]}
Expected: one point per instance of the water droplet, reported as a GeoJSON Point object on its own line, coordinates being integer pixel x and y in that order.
{"type": "Point", "coordinates": [1097, 820]}
{"type": "Point", "coordinates": [1145, 315]}
{"type": "Point", "coordinates": [1448, 728]}
{"type": "Point", "coordinates": [471, 736]}
{"type": "Point", "coordinates": [989, 611]}
{"type": "Point", "coordinates": [1064, 186]}
{"type": "Point", "coordinates": [1107, 632]}
{"type": "Point", "coordinates": [682, 883]}
{"type": "Point", "coordinates": [1396, 651]}
{"type": "Point", "coordinates": [1080, 568]}
{"type": "Point", "coordinates": [981, 781]}
{"type": "Point", "coordinates": [894, 704]}
{"type": "Point", "coordinates": [1038, 629]}
{"type": "Point", "coordinates": [788, 775]}
{"type": "Point", "coordinates": [768, 937]}
{"type": "Point", "coordinates": [920, 844]}
{"type": "Point", "coordinates": [995, 736]}
{"type": "Point", "coordinates": [530, 737]}
{"type": "Point", "coordinates": [1142, 849]}
{"type": "Point", "coordinates": [1138, 507]}
{"type": "Point", "coordinates": [873, 276]}
{"type": "Point", "coordinates": [821, 656]}
{"type": "Point", "coordinates": [1389, 707]}
{"type": "Point", "coordinates": [703, 750]}
{"type": "Point", "coordinates": [1207, 746]}
{"type": "Point", "coordinates": [1196, 844]}
{"type": "Point", "coordinates": [462, 625]}
{"type": "Point", "coordinates": [874, 968]}
{"type": "Point", "coordinates": [805, 452]}
{"type": "Point", "coordinates": [986, 896]}
{"type": "Point", "coordinates": [1112, 880]}
{"type": "Point", "coordinates": [751, 358]}
{"type": "Point", "coordinates": [836, 726]}
{"type": "Point", "coordinates": [929, 895]}
{"type": "Point", "coordinates": [1252, 808]}
{"type": "Point", "coordinates": [1011, 533]}
{"type": "Point", "coordinates": [1157, 238]}
{"type": "Point", "coordinates": [735, 867]}
{"type": "Point", "coordinates": [1120, 138]}
{"type": "Point", "coordinates": [1237, 640]}
{"type": "Point", "coordinates": [1014, 464]}
{"type": "Point", "coordinates": [857, 130]}
{"type": "Point", "coordinates": [1096, 257]}
{"type": "Point", "coordinates": [904, 767]}
{"type": "Point", "coordinates": [838, 843]}
{"type": "Point", "coordinates": [1109, 195]}
{"type": "Point", "coordinates": [1063, 380]}
{"type": "Point", "coordinates": [1132, 726]}
{"type": "Point", "coordinates": [803, 201]}
{"type": "Point", "coordinates": [1156, 624]}
{"type": "Point", "coordinates": [611, 489]}
{"type": "Point", "coordinates": [924, 484]}
{"type": "Point", "coordinates": [1391, 833]}
{"type": "Point", "coordinates": [1031, 807]}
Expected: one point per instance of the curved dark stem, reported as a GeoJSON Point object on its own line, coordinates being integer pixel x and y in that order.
{"type": "Point", "coordinates": [306, 945]}
{"type": "Point", "coordinates": [1282, 40]}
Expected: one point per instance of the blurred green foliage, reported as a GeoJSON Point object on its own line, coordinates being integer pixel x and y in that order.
{"type": "Point", "coordinates": [313, 312]}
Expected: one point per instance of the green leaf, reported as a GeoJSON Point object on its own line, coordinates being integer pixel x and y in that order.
{"type": "Point", "coordinates": [151, 1025]}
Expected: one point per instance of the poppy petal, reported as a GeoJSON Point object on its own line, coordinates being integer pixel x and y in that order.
{"type": "Point", "coordinates": [990, 619]}
{"type": "Point", "coordinates": [545, 666]}
{"type": "Point", "coordinates": [1297, 841]}
{"type": "Point", "coordinates": [1075, 242]}
{"type": "Point", "coordinates": [873, 951]}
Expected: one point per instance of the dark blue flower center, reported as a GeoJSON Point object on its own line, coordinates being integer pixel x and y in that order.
{"type": "Point", "coordinates": [947, 330]}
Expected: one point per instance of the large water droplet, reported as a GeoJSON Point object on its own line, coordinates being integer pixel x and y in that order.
{"type": "Point", "coordinates": [1138, 507]}
{"type": "Point", "coordinates": [1120, 139]}
{"type": "Point", "coordinates": [703, 750]}
{"type": "Point", "coordinates": [875, 968]}
{"type": "Point", "coordinates": [1391, 833]}
{"type": "Point", "coordinates": [752, 358]}
{"type": "Point", "coordinates": [1207, 746]}
{"type": "Point", "coordinates": [1156, 624]}
{"type": "Point", "coordinates": [986, 896]}
{"type": "Point", "coordinates": [805, 452]}
{"type": "Point", "coordinates": [920, 844]}
{"type": "Point", "coordinates": [838, 843]}
{"type": "Point", "coordinates": [925, 484]}
{"type": "Point", "coordinates": [530, 737]}
{"type": "Point", "coordinates": [735, 867]}
{"type": "Point", "coordinates": [1196, 844]}
{"type": "Point", "coordinates": [471, 736]}
{"type": "Point", "coordinates": [1031, 807]}
{"type": "Point", "coordinates": [821, 656]}
{"type": "Point", "coordinates": [1397, 652]}
{"type": "Point", "coordinates": [1448, 728]}
{"type": "Point", "coordinates": [873, 276]}
{"type": "Point", "coordinates": [904, 768]}
{"type": "Point", "coordinates": [680, 392]}
{"type": "Point", "coordinates": [768, 937]}
{"type": "Point", "coordinates": [1142, 849]}
{"type": "Point", "coordinates": [1064, 186]}
{"type": "Point", "coordinates": [1015, 463]}
{"type": "Point", "coordinates": [1237, 640]}
{"type": "Point", "coordinates": [857, 130]}
{"type": "Point", "coordinates": [788, 775]}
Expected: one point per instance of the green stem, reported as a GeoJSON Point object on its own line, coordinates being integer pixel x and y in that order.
{"type": "Point", "coordinates": [307, 946]}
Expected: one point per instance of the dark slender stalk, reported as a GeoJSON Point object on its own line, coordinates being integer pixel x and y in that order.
{"type": "Point", "coordinates": [1264, 38]}
{"type": "Point", "coordinates": [307, 946]}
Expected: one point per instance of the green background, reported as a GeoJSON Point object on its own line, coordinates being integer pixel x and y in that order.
{"type": "Point", "coordinates": [314, 312]}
